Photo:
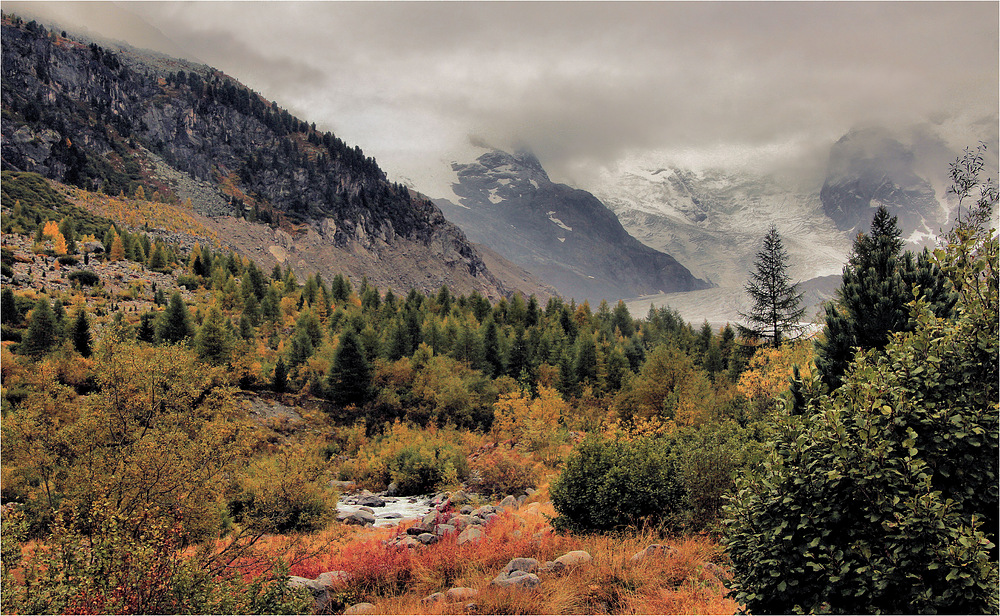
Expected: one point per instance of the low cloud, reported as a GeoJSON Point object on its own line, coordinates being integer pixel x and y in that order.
{"type": "Point", "coordinates": [589, 82]}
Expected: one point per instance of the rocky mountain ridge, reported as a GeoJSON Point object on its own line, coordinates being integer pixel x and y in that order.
{"type": "Point", "coordinates": [118, 122]}
{"type": "Point", "coordinates": [565, 236]}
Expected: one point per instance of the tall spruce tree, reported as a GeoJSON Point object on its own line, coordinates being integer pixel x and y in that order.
{"type": "Point", "coordinates": [41, 334]}
{"type": "Point", "coordinates": [81, 333]}
{"type": "Point", "coordinates": [214, 343]}
{"type": "Point", "coordinates": [350, 377]}
{"type": "Point", "coordinates": [175, 322]}
{"type": "Point", "coordinates": [878, 283]}
{"type": "Point", "coordinates": [777, 304]}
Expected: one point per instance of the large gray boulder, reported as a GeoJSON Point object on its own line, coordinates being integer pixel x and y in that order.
{"type": "Point", "coordinates": [371, 500]}
{"type": "Point", "coordinates": [529, 565]}
{"type": "Point", "coordinates": [360, 518]}
{"type": "Point", "coordinates": [521, 580]}
{"type": "Point", "coordinates": [473, 533]}
{"type": "Point", "coordinates": [461, 593]}
{"type": "Point", "coordinates": [360, 608]}
{"type": "Point", "coordinates": [576, 557]}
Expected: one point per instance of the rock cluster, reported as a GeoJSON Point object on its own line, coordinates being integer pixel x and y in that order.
{"type": "Point", "coordinates": [320, 587]}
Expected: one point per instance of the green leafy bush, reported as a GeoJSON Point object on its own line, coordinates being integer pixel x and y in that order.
{"type": "Point", "coordinates": [884, 497]}
{"type": "Point", "coordinates": [423, 467]}
{"type": "Point", "coordinates": [611, 484]}
{"type": "Point", "coordinates": [709, 458]}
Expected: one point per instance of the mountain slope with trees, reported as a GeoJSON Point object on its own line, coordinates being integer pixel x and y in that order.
{"type": "Point", "coordinates": [122, 124]}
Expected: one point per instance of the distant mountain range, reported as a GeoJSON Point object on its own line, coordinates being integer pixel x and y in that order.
{"type": "Point", "coordinates": [713, 220]}
{"type": "Point", "coordinates": [118, 120]}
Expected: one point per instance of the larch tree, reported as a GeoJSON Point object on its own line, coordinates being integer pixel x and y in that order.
{"type": "Point", "coordinates": [777, 303]}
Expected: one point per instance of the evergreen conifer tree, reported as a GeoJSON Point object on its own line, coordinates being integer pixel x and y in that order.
{"type": "Point", "coordinates": [280, 381]}
{"type": "Point", "coordinates": [492, 353]}
{"type": "Point", "coordinates": [41, 334]}
{"type": "Point", "coordinates": [9, 314]}
{"type": "Point", "coordinates": [777, 304]}
{"type": "Point", "coordinates": [877, 285]}
{"type": "Point", "coordinates": [175, 322]}
{"type": "Point", "coordinates": [350, 377]}
{"type": "Point", "coordinates": [81, 333]}
{"type": "Point", "coordinates": [214, 342]}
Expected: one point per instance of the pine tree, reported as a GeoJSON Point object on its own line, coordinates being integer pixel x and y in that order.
{"type": "Point", "coordinates": [350, 377]}
{"type": "Point", "coordinates": [213, 342]}
{"type": "Point", "coordinates": [777, 304]}
{"type": "Point", "coordinates": [9, 314]}
{"type": "Point", "coordinates": [280, 381]}
{"type": "Point", "coordinates": [492, 353]}
{"type": "Point", "coordinates": [41, 334]}
{"type": "Point", "coordinates": [81, 333]}
{"type": "Point", "coordinates": [175, 322]}
{"type": "Point", "coordinates": [876, 287]}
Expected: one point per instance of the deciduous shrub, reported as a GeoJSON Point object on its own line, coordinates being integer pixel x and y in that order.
{"type": "Point", "coordinates": [503, 471]}
{"type": "Point", "coordinates": [611, 484]}
{"type": "Point", "coordinates": [118, 570]}
{"type": "Point", "coordinates": [419, 461]}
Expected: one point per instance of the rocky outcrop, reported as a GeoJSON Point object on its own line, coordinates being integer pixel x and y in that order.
{"type": "Point", "coordinates": [871, 168]}
{"type": "Point", "coordinates": [87, 116]}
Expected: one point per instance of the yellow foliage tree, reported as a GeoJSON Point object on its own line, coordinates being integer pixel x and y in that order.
{"type": "Point", "coordinates": [59, 244]}
{"type": "Point", "coordinates": [51, 229]}
{"type": "Point", "coordinates": [117, 248]}
{"type": "Point", "coordinates": [769, 370]}
{"type": "Point", "coordinates": [532, 423]}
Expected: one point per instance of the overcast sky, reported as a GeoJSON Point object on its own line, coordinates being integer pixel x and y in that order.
{"type": "Point", "coordinates": [581, 82]}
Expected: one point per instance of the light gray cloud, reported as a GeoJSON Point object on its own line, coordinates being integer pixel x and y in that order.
{"type": "Point", "coordinates": [589, 81]}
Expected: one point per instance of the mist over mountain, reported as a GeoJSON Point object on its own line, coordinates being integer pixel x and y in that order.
{"type": "Point", "coordinates": [563, 235]}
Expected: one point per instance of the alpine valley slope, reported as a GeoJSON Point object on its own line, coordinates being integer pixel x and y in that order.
{"type": "Point", "coordinates": [565, 236]}
{"type": "Point", "coordinates": [279, 190]}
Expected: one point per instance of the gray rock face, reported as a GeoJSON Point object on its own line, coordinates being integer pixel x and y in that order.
{"type": "Point", "coordinates": [209, 131]}
{"type": "Point", "coordinates": [868, 168]}
{"type": "Point", "coordinates": [360, 608]}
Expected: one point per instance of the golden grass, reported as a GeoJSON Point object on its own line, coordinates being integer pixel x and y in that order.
{"type": "Point", "coordinates": [396, 580]}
